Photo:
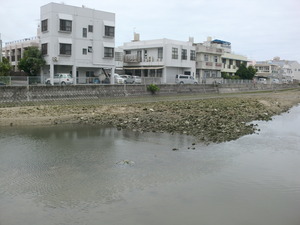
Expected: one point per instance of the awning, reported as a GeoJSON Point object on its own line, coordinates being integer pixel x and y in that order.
{"type": "Point", "coordinates": [108, 23]}
{"type": "Point", "coordinates": [65, 16]}
{"type": "Point", "coordinates": [142, 68]}
{"type": "Point", "coordinates": [109, 44]}
{"type": "Point", "coordinates": [65, 40]}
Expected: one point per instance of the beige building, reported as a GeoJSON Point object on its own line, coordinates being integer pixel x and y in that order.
{"type": "Point", "coordinates": [208, 63]}
{"type": "Point", "coordinates": [14, 50]}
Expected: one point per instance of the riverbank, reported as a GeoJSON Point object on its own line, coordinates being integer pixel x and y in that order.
{"type": "Point", "coordinates": [218, 118]}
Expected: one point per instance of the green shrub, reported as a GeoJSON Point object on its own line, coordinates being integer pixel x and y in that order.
{"type": "Point", "coordinates": [153, 88]}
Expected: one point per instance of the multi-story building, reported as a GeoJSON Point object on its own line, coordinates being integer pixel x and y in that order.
{"type": "Point", "coordinates": [267, 70]}
{"type": "Point", "coordinates": [215, 57]}
{"type": "Point", "coordinates": [77, 40]}
{"type": "Point", "coordinates": [14, 50]}
{"type": "Point", "coordinates": [159, 60]}
{"type": "Point", "coordinates": [208, 62]}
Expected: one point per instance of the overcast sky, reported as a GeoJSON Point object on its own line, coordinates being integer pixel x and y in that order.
{"type": "Point", "coordinates": [258, 29]}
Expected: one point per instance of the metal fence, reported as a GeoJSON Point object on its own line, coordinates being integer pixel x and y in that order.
{"type": "Point", "coordinates": [37, 80]}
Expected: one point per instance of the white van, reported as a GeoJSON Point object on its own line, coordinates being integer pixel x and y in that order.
{"type": "Point", "coordinates": [185, 79]}
{"type": "Point", "coordinates": [262, 81]}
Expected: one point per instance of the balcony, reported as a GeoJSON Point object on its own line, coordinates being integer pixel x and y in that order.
{"type": "Point", "coordinates": [209, 65]}
{"type": "Point", "coordinates": [131, 58]}
{"type": "Point", "coordinates": [211, 50]}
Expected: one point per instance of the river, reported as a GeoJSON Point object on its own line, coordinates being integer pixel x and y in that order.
{"type": "Point", "coordinates": [90, 176]}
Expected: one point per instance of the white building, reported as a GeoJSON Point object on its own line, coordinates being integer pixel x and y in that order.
{"type": "Point", "coordinates": [284, 70]}
{"type": "Point", "coordinates": [159, 60]}
{"type": "Point", "coordinates": [77, 40]}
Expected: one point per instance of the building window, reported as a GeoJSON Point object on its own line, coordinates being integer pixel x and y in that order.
{"type": "Point", "coordinates": [206, 58]}
{"type": "Point", "coordinates": [91, 28]}
{"type": "Point", "coordinates": [44, 25]}
{"type": "Point", "coordinates": [215, 59]}
{"type": "Point", "coordinates": [108, 52]}
{"type": "Point", "coordinates": [119, 56]}
{"type": "Point", "coordinates": [193, 55]}
{"type": "Point", "coordinates": [44, 49]}
{"type": "Point", "coordinates": [160, 53]}
{"type": "Point", "coordinates": [84, 51]}
{"type": "Point", "coordinates": [174, 53]}
{"type": "Point", "coordinates": [84, 32]}
{"type": "Point", "coordinates": [65, 49]}
{"type": "Point", "coordinates": [65, 25]}
{"type": "Point", "coordinates": [184, 54]}
{"type": "Point", "coordinates": [109, 31]}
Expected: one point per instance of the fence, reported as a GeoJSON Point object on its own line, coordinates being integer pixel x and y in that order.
{"type": "Point", "coordinates": [20, 80]}
{"type": "Point", "coordinates": [37, 80]}
{"type": "Point", "coordinates": [93, 94]}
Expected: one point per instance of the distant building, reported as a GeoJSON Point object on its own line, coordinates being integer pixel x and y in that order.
{"type": "Point", "coordinates": [267, 70]}
{"type": "Point", "coordinates": [284, 70]}
{"type": "Point", "coordinates": [14, 50]}
{"type": "Point", "coordinates": [159, 60]}
{"type": "Point", "coordinates": [77, 40]}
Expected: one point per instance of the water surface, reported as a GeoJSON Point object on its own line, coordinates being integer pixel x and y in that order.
{"type": "Point", "coordinates": [80, 175]}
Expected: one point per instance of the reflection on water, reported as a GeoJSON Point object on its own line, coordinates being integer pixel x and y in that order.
{"type": "Point", "coordinates": [71, 175]}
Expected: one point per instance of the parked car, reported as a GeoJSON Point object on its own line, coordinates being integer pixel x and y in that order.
{"type": "Point", "coordinates": [185, 79]}
{"type": "Point", "coordinates": [118, 79]}
{"type": "Point", "coordinates": [61, 78]}
{"type": "Point", "coordinates": [262, 81]}
{"type": "Point", "coordinates": [134, 80]}
{"type": "Point", "coordinates": [125, 77]}
{"type": "Point", "coordinates": [2, 84]}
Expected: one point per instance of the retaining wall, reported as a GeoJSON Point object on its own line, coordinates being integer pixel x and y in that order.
{"type": "Point", "coordinates": [23, 94]}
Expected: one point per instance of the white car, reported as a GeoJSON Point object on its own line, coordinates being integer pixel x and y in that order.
{"type": "Point", "coordinates": [118, 79]}
{"type": "Point", "coordinates": [185, 79]}
{"type": "Point", "coordinates": [125, 77]}
{"type": "Point", "coordinates": [134, 80]}
{"type": "Point", "coordinates": [61, 78]}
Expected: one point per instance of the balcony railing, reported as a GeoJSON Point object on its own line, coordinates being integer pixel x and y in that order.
{"type": "Point", "coordinates": [129, 58]}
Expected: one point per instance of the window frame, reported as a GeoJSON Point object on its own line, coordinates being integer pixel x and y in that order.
{"type": "Point", "coordinates": [44, 48]}
{"type": "Point", "coordinates": [84, 32]}
{"type": "Point", "coordinates": [90, 28]}
{"type": "Point", "coordinates": [192, 55]}
{"type": "Point", "coordinates": [65, 49]}
{"type": "Point", "coordinates": [110, 53]}
{"type": "Point", "coordinates": [65, 25]}
{"type": "Point", "coordinates": [109, 31]}
{"type": "Point", "coordinates": [160, 53]}
{"type": "Point", "coordinates": [174, 53]}
{"type": "Point", "coordinates": [184, 54]}
{"type": "Point", "coordinates": [44, 25]}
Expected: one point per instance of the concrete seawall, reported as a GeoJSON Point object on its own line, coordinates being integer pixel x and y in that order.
{"type": "Point", "coordinates": [19, 94]}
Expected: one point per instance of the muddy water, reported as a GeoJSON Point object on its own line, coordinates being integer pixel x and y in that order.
{"type": "Point", "coordinates": [81, 175]}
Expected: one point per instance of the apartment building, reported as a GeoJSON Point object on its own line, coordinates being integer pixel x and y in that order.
{"type": "Point", "coordinates": [267, 70]}
{"type": "Point", "coordinates": [159, 60]}
{"type": "Point", "coordinates": [215, 57]}
{"type": "Point", "coordinates": [77, 40]}
{"type": "Point", "coordinates": [208, 62]}
{"type": "Point", "coordinates": [14, 50]}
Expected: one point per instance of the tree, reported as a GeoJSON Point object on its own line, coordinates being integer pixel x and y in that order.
{"type": "Point", "coordinates": [32, 61]}
{"type": "Point", "coordinates": [5, 67]}
{"type": "Point", "coordinates": [246, 73]}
